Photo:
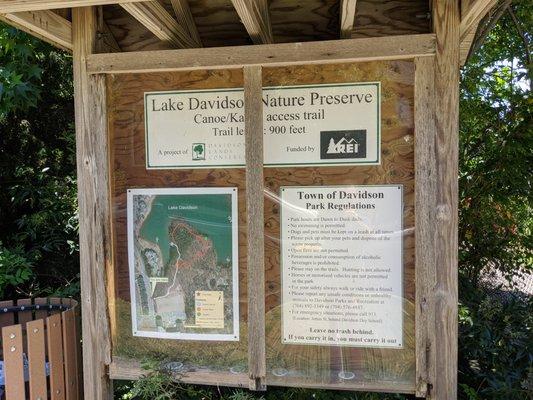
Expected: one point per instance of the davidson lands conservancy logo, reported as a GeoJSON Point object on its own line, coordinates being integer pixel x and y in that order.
{"type": "Point", "coordinates": [198, 151]}
{"type": "Point", "coordinates": [343, 144]}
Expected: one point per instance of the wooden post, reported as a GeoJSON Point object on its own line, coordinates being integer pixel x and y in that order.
{"type": "Point", "coordinates": [446, 18]}
{"type": "Point", "coordinates": [94, 208]}
{"type": "Point", "coordinates": [425, 207]}
{"type": "Point", "coordinates": [253, 115]}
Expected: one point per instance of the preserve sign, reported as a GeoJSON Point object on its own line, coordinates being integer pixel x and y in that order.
{"type": "Point", "coordinates": [331, 124]}
{"type": "Point", "coordinates": [341, 265]}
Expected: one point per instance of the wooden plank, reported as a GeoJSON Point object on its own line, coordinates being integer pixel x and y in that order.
{"type": "Point", "coordinates": [6, 317]}
{"type": "Point", "coordinates": [24, 316]}
{"type": "Point", "coordinates": [446, 28]}
{"type": "Point", "coordinates": [69, 351]}
{"type": "Point", "coordinates": [46, 25]}
{"type": "Point", "coordinates": [11, 6]}
{"type": "Point", "coordinates": [255, 16]}
{"type": "Point", "coordinates": [158, 21]}
{"type": "Point", "coordinates": [43, 313]}
{"type": "Point", "coordinates": [13, 362]}
{"type": "Point", "coordinates": [425, 205]}
{"type": "Point", "coordinates": [253, 117]}
{"type": "Point", "coordinates": [185, 19]}
{"type": "Point", "coordinates": [347, 17]}
{"type": "Point", "coordinates": [349, 50]}
{"type": "Point", "coordinates": [37, 359]}
{"type": "Point", "coordinates": [55, 357]}
{"type": "Point", "coordinates": [93, 200]}
{"type": "Point", "coordinates": [56, 301]}
{"type": "Point", "coordinates": [471, 13]}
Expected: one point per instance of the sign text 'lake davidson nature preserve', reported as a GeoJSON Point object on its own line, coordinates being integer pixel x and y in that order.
{"type": "Point", "coordinates": [332, 124]}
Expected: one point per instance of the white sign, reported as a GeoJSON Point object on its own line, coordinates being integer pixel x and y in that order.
{"type": "Point", "coordinates": [342, 261]}
{"type": "Point", "coordinates": [183, 263]}
{"type": "Point", "coordinates": [333, 124]}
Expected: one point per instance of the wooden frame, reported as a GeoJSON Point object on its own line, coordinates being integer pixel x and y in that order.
{"type": "Point", "coordinates": [436, 58]}
{"type": "Point", "coordinates": [425, 180]}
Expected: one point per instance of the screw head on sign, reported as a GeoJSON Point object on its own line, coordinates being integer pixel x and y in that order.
{"type": "Point", "coordinates": [58, 391]}
{"type": "Point", "coordinates": [35, 330]}
{"type": "Point", "coordinates": [55, 324]}
{"type": "Point", "coordinates": [13, 349]}
{"type": "Point", "coordinates": [22, 308]}
{"type": "Point", "coordinates": [12, 336]}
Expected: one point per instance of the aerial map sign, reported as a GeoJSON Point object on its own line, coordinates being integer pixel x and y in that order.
{"type": "Point", "coordinates": [183, 263]}
{"type": "Point", "coordinates": [329, 124]}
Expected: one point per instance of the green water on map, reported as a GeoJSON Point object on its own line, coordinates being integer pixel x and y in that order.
{"type": "Point", "coordinates": [211, 218]}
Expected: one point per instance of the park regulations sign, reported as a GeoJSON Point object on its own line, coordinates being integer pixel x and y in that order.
{"type": "Point", "coordinates": [342, 265]}
{"type": "Point", "coordinates": [183, 263]}
{"type": "Point", "coordinates": [310, 125]}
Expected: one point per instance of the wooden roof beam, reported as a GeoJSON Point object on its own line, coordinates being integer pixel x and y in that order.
{"type": "Point", "coordinates": [46, 25]}
{"type": "Point", "coordinates": [158, 21]}
{"type": "Point", "coordinates": [11, 6]}
{"type": "Point", "coordinates": [347, 17]}
{"type": "Point", "coordinates": [185, 18]}
{"type": "Point", "coordinates": [256, 19]}
{"type": "Point", "coordinates": [472, 12]}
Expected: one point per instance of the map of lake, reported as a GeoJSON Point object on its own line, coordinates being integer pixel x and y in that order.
{"type": "Point", "coordinates": [209, 214]}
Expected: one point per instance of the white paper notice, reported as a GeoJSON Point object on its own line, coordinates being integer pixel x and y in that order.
{"type": "Point", "coordinates": [303, 125]}
{"type": "Point", "coordinates": [342, 262]}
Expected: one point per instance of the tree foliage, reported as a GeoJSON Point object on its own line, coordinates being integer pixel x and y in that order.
{"type": "Point", "coordinates": [38, 235]}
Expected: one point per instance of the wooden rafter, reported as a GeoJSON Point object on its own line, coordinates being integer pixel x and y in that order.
{"type": "Point", "coordinates": [158, 21]}
{"type": "Point", "coordinates": [46, 25]}
{"type": "Point", "coordinates": [350, 50]}
{"type": "Point", "coordinates": [472, 12]}
{"type": "Point", "coordinates": [255, 17]}
{"type": "Point", "coordinates": [185, 18]}
{"type": "Point", "coordinates": [11, 6]}
{"type": "Point", "coordinates": [347, 17]}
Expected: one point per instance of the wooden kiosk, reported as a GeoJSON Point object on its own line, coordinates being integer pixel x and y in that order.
{"type": "Point", "coordinates": [405, 53]}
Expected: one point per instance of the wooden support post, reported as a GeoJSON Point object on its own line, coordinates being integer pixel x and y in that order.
{"type": "Point", "coordinates": [94, 207]}
{"type": "Point", "coordinates": [446, 27]}
{"type": "Point", "coordinates": [253, 116]}
{"type": "Point", "coordinates": [425, 206]}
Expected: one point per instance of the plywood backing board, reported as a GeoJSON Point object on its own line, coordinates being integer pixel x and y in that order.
{"type": "Point", "coordinates": [127, 136]}
{"type": "Point", "coordinates": [126, 129]}
{"type": "Point", "coordinates": [316, 366]}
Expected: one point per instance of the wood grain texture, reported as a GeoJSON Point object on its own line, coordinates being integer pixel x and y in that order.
{"type": "Point", "coordinates": [9, 6]}
{"type": "Point", "coordinates": [126, 122]}
{"type": "Point", "coordinates": [45, 25]}
{"type": "Point", "coordinates": [13, 362]}
{"type": "Point", "coordinates": [126, 133]}
{"type": "Point", "coordinates": [347, 17]}
{"type": "Point", "coordinates": [37, 359]}
{"type": "Point", "coordinates": [376, 18]}
{"type": "Point", "coordinates": [158, 21]}
{"type": "Point", "coordinates": [318, 366]}
{"type": "Point", "coordinates": [185, 19]}
{"type": "Point", "coordinates": [54, 339]}
{"type": "Point", "coordinates": [426, 205]}
{"type": "Point", "coordinates": [68, 323]}
{"type": "Point", "coordinates": [471, 13]}
{"type": "Point", "coordinates": [94, 209]}
{"type": "Point", "coordinates": [446, 27]}
{"type": "Point", "coordinates": [255, 16]}
{"type": "Point", "coordinates": [253, 116]}
{"type": "Point", "coordinates": [350, 50]}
